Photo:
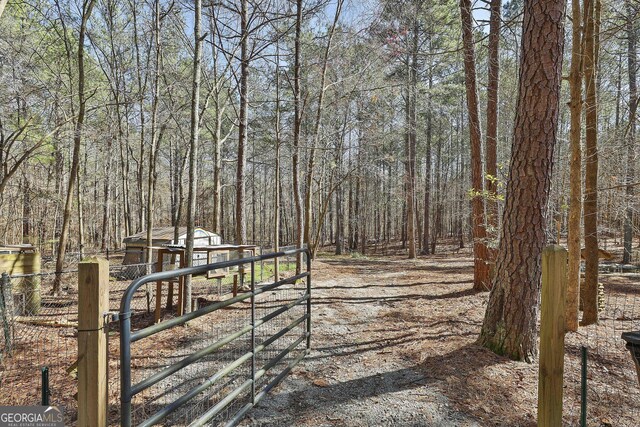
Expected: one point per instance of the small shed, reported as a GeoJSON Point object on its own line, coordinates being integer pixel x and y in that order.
{"type": "Point", "coordinates": [19, 259]}
{"type": "Point", "coordinates": [163, 236]}
{"type": "Point", "coordinates": [22, 262]}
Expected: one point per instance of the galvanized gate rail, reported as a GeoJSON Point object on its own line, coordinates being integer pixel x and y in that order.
{"type": "Point", "coordinates": [127, 337]}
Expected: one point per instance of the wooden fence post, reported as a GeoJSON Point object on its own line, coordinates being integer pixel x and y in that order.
{"type": "Point", "coordinates": [552, 329]}
{"type": "Point", "coordinates": [93, 303]}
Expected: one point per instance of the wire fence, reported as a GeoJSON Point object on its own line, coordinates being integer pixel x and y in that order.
{"type": "Point", "coordinates": [38, 328]}
{"type": "Point", "coordinates": [612, 387]}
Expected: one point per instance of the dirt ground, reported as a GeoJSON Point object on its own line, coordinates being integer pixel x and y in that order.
{"type": "Point", "coordinates": [394, 345]}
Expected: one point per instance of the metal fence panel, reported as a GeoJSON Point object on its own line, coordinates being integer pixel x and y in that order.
{"type": "Point", "coordinates": [212, 365]}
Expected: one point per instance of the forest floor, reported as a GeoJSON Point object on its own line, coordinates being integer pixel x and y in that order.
{"type": "Point", "coordinates": [393, 344]}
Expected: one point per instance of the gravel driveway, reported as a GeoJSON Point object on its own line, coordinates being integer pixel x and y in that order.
{"type": "Point", "coordinates": [359, 372]}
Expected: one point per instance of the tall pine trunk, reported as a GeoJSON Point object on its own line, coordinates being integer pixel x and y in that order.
{"type": "Point", "coordinates": [481, 279]}
{"type": "Point", "coordinates": [410, 147]}
{"type": "Point", "coordinates": [491, 158]}
{"type": "Point", "coordinates": [509, 326]}
{"type": "Point", "coordinates": [630, 139]}
{"type": "Point", "coordinates": [590, 54]}
{"type": "Point", "coordinates": [276, 186]}
{"type": "Point", "coordinates": [575, 175]}
{"type": "Point", "coordinates": [427, 173]}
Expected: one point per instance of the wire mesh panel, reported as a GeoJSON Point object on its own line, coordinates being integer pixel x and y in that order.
{"type": "Point", "coordinates": [613, 389]}
{"type": "Point", "coordinates": [211, 364]}
{"type": "Point", "coordinates": [38, 328]}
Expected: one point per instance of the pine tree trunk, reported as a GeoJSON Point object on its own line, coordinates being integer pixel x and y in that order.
{"type": "Point", "coordinates": [491, 160]}
{"type": "Point", "coordinates": [509, 326]}
{"type": "Point", "coordinates": [481, 279]}
{"type": "Point", "coordinates": [631, 132]}
{"type": "Point", "coordinates": [141, 98]}
{"type": "Point", "coordinates": [575, 175]}
{"type": "Point", "coordinates": [427, 173]}
{"type": "Point", "coordinates": [410, 149]}
{"type": "Point", "coordinates": [276, 186]}
{"type": "Point", "coordinates": [590, 294]}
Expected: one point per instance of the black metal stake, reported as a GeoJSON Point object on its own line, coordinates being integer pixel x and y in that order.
{"type": "Point", "coordinates": [253, 333]}
{"type": "Point", "coordinates": [45, 386]}
{"type": "Point", "coordinates": [308, 301]}
{"type": "Point", "coordinates": [583, 389]}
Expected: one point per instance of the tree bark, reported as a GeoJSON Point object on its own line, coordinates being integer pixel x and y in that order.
{"type": "Point", "coordinates": [216, 133]}
{"type": "Point", "coordinates": [276, 186]}
{"type": "Point", "coordinates": [590, 293]}
{"type": "Point", "coordinates": [410, 150]}
{"type": "Point", "coordinates": [491, 160]}
{"type": "Point", "coordinates": [427, 172]}
{"type": "Point", "coordinates": [141, 89]}
{"type": "Point", "coordinates": [575, 175]}
{"type": "Point", "coordinates": [241, 231]}
{"type": "Point", "coordinates": [632, 65]}
{"type": "Point", "coordinates": [297, 121]}
{"type": "Point", "coordinates": [481, 279]}
{"type": "Point", "coordinates": [509, 326]}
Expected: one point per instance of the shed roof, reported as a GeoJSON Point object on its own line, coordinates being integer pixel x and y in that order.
{"type": "Point", "coordinates": [162, 234]}
{"type": "Point", "coordinates": [6, 249]}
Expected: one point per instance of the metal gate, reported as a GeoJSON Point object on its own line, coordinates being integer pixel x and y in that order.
{"type": "Point", "coordinates": [212, 365]}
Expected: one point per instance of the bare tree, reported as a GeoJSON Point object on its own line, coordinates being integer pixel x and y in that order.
{"type": "Point", "coordinates": [297, 121]}
{"type": "Point", "coordinates": [316, 127]}
{"type": "Point", "coordinates": [193, 152]}
{"type": "Point", "coordinates": [241, 231]}
{"type": "Point", "coordinates": [155, 135]}
{"type": "Point", "coordinates": [87, 7]}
